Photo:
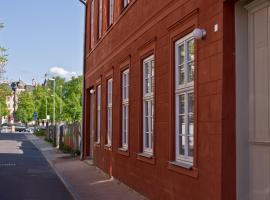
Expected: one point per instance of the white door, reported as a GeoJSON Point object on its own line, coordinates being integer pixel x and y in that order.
{"type": "Point", "coordinates": [259, 98]}
{"type": "Point", "coordinates": [92, 124]}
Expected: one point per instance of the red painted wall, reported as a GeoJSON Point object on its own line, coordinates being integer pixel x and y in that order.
{"type": "Point", "coordinates": [153, 25]}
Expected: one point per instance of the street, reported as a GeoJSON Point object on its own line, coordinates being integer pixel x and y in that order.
{"type": "Point", "coordinates": [24, 172]}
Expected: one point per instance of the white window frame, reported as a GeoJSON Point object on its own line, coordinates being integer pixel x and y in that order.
{"type": "Point", "coordinates": [98, 112]}
{"type": "Point", "coordinates": [109, 111]}
{"type": "Point", "coordinates": [125, 3]}
{"type": "Point", "coordinates": [125, 108]}
{"type": "Point", "coordinates": [111, 12]}
{"type": "Point", "coordinates": [100, 18]}
{"type": "Point", "coordinates": [148, 98]}
{"type": "Point", "coordinates": [186, 88]}
{"type": "Point", "coordinates": [92, 17]}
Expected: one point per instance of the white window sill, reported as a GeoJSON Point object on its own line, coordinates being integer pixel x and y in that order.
{"type": "Point", "coordinates": [147, 155]}
{"type": "Point", "coordinates": [108, 145]}
{"type": "Point", "coordinates": [182, 164]}
{"type": "Point", "coordinates": [123, 149]}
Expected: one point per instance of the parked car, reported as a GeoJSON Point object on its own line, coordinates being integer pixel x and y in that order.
{"type": "Point", "coordinates": [20, 129]}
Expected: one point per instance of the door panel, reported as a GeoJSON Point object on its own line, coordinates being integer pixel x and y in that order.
{"type": "Point", "coordinates": [259, 96]}
{"type": "Point", "coordinates": [92, 124]}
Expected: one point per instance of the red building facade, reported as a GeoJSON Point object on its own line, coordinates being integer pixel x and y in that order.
{"type": "Point", "coordinates": [158, 115]}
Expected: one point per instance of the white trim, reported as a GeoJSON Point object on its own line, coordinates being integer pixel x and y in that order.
{"type": "Point", "coordinates": [92, 18]}
{"type": "Point", "coordinates": [98, 112]}
{"type": "Point", "coordinates": [111, 11]}
{"type": "Point", "coordinates": [125, 3]}
{"type": "Point", "coordinates": [148, 98]}
{"type": "Point", "coordinates": [183, 89]}
{"type": "Point", "coordinates": [109, 111]}
{"type": "Point", "coordinates": [257, 5]}
{"type": "Point", "coordinates": [125, 108]}
{"type": "Point", "coordinates": [100, 18]}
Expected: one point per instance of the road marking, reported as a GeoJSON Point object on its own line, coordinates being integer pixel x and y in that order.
{"type": "Point", "coordinates": [7, 164]}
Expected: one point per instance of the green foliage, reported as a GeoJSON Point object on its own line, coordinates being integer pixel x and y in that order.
{"type": "Point", "coordinates": [67, 149]}
{"type": "Point", "coordinates": [5, 91]}
{"type": "Point", "coordinates": [68, 99]}
{"type": "Point", "coordinates": [72, 97]}
{"type": "Point", "coordinates": [26, 107]}
{"type": "Point", "coordinates": [3, 55]}
{"type": "Point", "coordinates": [40, 132]}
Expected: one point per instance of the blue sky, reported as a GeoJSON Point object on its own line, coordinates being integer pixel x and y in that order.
{"type": "Point", "coordinates": [42, 36]}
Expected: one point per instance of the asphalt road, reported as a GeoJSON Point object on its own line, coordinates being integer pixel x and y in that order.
{"type": "Point", "coordinates": [24, 172]}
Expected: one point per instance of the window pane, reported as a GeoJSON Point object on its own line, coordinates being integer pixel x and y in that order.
{"type": "Point", "coordinates": [111, 12]}
{"type": "Point", "coordinates": [146, 77]}
{"type": "Point", "coordinates": [181, 74]}
{"type": "Point", "coordinates": [190, 102]}
{"type": "Point", "coordinates": [152, 116]}
{"type": "Point", "coordinates": [100, 19]}
{"type": "Point", "coordinates": [191, 146]}
{"type": "Point", "coordinates": [191, 68]}
{"type": "Point", "coordinates": [92, 18]}
{"type": "Point", "coordinates": [181, 54]}
{"type": "Point", "coordinates": [151, 140]}
{"type": "Point", "coordinates": [152, 77]}
{"type": "Point", "coordinates": [190, 124]}
{"type": "Point", "coordinates": [182, 145]}
{"type": "Point", "coordinates": [191, 50]}
{"type": "Point", "coordinates": [146, 140]}
{"type": "Point", "coordinates": [182, 125]}
{"type": "Point", "coordinates": [182, 104]}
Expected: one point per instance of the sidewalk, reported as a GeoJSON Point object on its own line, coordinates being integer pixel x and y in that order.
{"type": "Point", "coordinates": [84, 181]}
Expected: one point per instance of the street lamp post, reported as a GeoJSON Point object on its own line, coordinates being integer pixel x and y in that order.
{"type": "Point", "coordinates": [52, 79]}
{"type": "Point", "coordinates": [61, 103]}
{"type": "Point", "coordinates": [46, 110]}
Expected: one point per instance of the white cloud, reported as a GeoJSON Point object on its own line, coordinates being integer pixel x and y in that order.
{"type": "Point", "coordinates": [60, 71]}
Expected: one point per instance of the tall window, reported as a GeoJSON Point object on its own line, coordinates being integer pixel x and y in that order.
{"type": "Point", "coordinates": [109, 111]}
{"type": "Point", "coordinates": [125, 3]}
{"type": "Point", "coordinates": [92, 18]}
{"type": "Point", "coordinates": [184, 99]}
{"type": "Point", "coordinates": [125, 108]}
{"type": "Point", "coordinates": [98, 112]}
{"type": "Point", "coordinates": [111, 11]}
{"type": "Point", "coordinates": [148, 104]}
{"type": "Point", "coordinates": [100, 13]}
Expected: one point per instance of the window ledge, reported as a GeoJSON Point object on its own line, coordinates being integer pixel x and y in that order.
{"type": "Point", "coordinates": [146, 157]}
{"type": "Point", "coordinates": [183, 168]}
{"type": "Point", "coordinates": [182, 164]}
{"type": "Point", "coordinates": [108, 147]}
{"type": "Point", "coordinates": [97, 144]}
{"type": "Point", "coordinates": [123, 151]}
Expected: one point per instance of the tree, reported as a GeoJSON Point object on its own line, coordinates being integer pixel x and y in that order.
{"type": "Point", "coordinates": [39, 94]}
{"type": "Point", "coordinates": [26, 107]}
{"type": "Point", "coordinates": [5, 91]}
{"type": "Point", "coordinates": [3, 56]}
{"type": "Point", "coordinates": [68, 99]}
{"type": "Point", "coordinates": [72, 97]}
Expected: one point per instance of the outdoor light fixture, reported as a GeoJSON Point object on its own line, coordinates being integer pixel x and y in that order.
{"type": "Point", "coordinates": [199, 33]}
{"type": "Point", "coordinates": [83, 1]}
{"type": "Point", "coordinates": [92, 91]}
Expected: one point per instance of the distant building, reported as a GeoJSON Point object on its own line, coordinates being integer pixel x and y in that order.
{"type": "Point", "coordinates": [12, 100]}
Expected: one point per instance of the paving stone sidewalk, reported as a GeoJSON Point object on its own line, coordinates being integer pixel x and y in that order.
{"type": "Point", "coordinates": [83, 180]}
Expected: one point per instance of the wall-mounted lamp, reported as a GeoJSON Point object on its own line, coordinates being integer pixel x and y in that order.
{"type": "Point", "coordinates": [83, 2]}
{"type": "Point", "coordinates": [92, 91]}
{"type": "Point", "coordinates": [199, 33]}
